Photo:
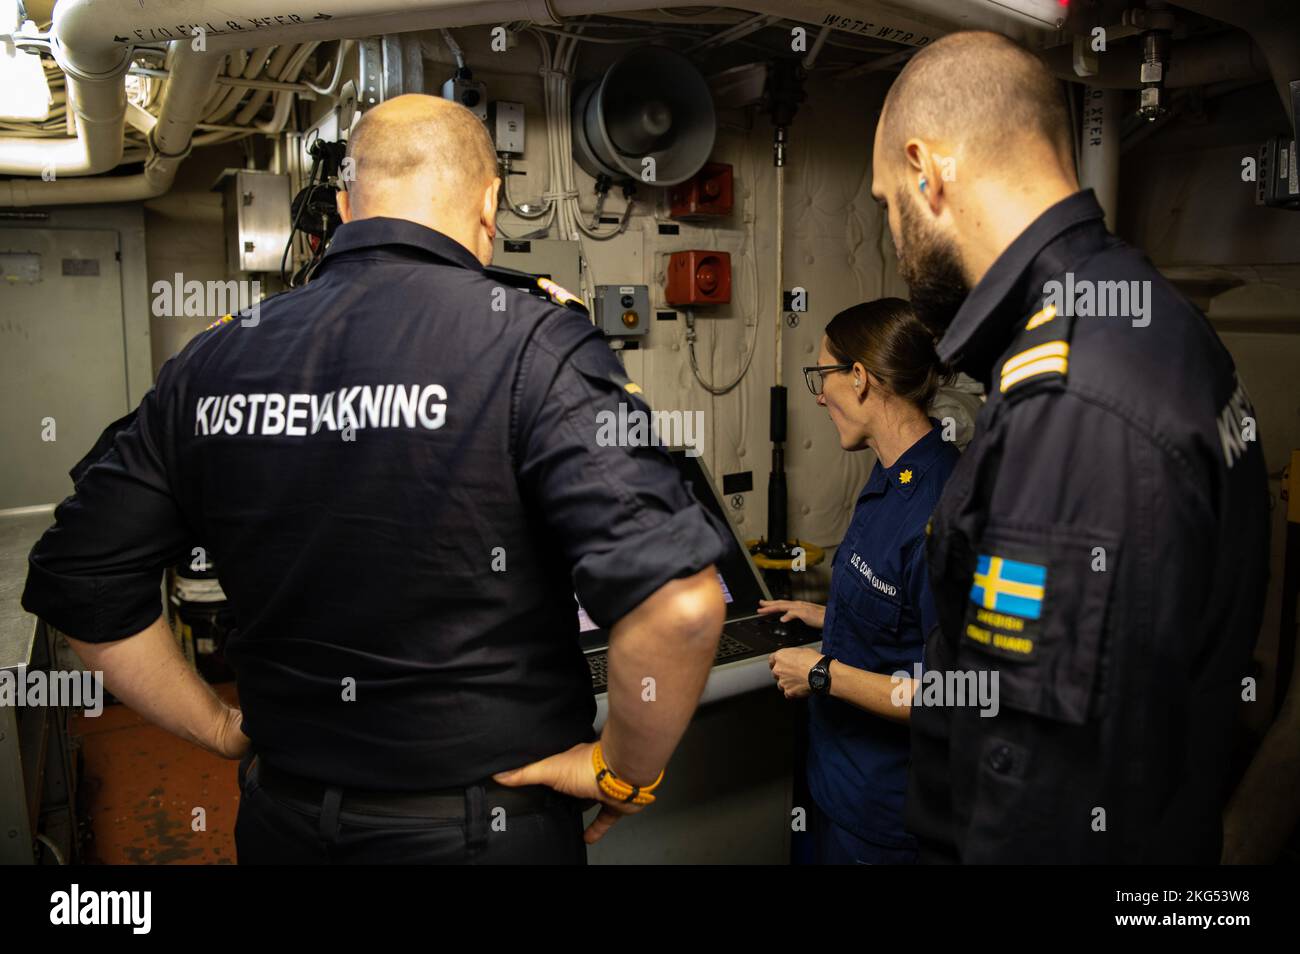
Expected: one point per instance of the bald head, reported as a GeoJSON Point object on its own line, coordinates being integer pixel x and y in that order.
{"type": "Point", "coordinates": [982, 95]}
{"type": "Point", "coordinates": [425, 159]}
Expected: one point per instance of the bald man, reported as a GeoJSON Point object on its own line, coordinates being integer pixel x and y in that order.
{"type": "Point", "coordinates": [1099, 556]}
{"type": "Point", "coordinates": [395, 470]}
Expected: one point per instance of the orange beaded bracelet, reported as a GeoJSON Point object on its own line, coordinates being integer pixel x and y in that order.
{"type": "Point", "coordinates": [615, 787]}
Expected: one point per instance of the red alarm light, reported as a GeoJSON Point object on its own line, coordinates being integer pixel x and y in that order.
{"type": "Point", "coordinates": [708, 193]}
{"type": "Point", "coordinates": [698, 277]}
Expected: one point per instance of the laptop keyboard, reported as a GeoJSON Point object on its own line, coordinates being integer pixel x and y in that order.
{"type": "Point", "coordinates": [598, 663]}
{"type": "Point", "coordinates": [729, 647]}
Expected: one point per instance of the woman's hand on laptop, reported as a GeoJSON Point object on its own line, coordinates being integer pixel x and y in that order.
{"type": "Point", "coordinates": [813, 614]}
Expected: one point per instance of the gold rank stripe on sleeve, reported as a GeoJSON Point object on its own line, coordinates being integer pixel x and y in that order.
{"type": "Point", "coordinates": [1049, 358]}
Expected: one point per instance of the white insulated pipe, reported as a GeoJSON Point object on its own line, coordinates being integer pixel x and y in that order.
{"type": "Point", "coordinates": [97, 107]}
{"type": "Point", "coordinates": [192, 76]}
{"type": "Point", "coordinates": [92, 40]}
{"type": "Point", "coordinates": [1099, 147]}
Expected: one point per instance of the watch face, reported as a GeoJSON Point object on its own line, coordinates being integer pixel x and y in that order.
{"type": "Point", "coordinates": [817, 679]}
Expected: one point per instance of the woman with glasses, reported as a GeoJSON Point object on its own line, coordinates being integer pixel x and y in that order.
{"type": "Point", "coordinates": [876, 376]}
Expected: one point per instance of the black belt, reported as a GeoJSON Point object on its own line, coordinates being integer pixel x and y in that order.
{"type": "Point", "coordinates": [443, 803]}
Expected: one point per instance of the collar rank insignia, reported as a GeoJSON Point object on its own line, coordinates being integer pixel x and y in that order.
{"type": "Point", "coordinates": [1041, 317]}
{"type": "Point", "coordinates": [905, 477]}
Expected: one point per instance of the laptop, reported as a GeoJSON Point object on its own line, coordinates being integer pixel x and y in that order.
{"type": "Point", "coordinates": [745, 633]}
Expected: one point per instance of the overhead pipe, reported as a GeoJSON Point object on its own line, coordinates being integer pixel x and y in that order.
{"type": "Point", "coordinates": [1194, 62]}
{"type": "Point", "coordinates": [92, 40]}
{"type": "Point", "coordinates": [256, 61]}
{"type": "Point", "coordinates": [96, 102]}
{"type": "Point", "coordinates": [1099, 148]}
{"type": "Point", "coordinates": [193, 74]}
{"type": "Point", "coordinates": [241, 24]}
{"type": "Point", "coordinates": [274, 69]}
{"type": "Point", "coordinates": [321, 20]}
{"type": "Point", "coordinates": [225, 82]}
{"type": "Point", "coordinates": [280, 117]}
{"type": "Point", "coordinates": [105, 28]}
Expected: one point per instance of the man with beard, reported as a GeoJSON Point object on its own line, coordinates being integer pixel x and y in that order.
{"type": "Point", "coordinates": [1102, 546]}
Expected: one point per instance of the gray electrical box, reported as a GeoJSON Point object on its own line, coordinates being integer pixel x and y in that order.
{"type": "Point", "coordinates": [1277, 181]}
{"type": "Point", "coordinates": [556, 259]}
{"type": "Point", "coordinates": [622, 310]}
{"type": "Point", "coordinates": [256, 219]}
{"type": "Point", "coordinates": [506, 123]}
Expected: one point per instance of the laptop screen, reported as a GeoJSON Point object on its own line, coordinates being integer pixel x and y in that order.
{"type": "Point", "coordinates": [736, 573]}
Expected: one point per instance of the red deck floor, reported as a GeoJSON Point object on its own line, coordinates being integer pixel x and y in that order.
{"type": "Point", "coordinates": [141, 785]}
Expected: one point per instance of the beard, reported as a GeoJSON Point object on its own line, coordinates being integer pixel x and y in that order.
{"type": "Point", "coordinates": [931, 266]}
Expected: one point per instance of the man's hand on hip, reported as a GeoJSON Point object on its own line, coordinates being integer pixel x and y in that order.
{"type": "Point", "coordinates": [571, 773]}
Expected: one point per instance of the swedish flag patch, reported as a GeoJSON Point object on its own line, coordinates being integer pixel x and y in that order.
{"type": "Point", "coordinates": [1009, 586]}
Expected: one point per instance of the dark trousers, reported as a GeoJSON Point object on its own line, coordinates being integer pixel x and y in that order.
{"type": "Point", "coordinates": [280, 825]}
{"type": "Point", "coordinates": [835, 845]}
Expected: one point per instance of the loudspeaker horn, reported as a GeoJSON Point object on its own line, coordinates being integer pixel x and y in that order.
{"type": "Point", "coordinates": [653, 103]}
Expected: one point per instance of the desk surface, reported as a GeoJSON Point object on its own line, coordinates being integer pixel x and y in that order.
{"type": "Point", "coordinates": [19, 531]}
{"type": "Point", "coordinates": [727, 680]}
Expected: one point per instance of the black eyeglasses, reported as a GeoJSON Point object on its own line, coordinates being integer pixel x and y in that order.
{"type": "Point", "coordinates": [815, 375]}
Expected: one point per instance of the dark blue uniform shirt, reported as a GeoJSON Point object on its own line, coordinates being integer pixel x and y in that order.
{"type": "Point", "coordinates": [877, 616]}
{"type": "Point", "coordinates": [1102, 547]}
{"type": "Point", "coordinates": [395, 471]}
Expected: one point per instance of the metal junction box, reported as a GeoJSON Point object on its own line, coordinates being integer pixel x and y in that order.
{"type": "Point", "coordinates": [256, 219]}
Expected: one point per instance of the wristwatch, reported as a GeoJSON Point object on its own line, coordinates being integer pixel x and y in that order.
{"type": "Point", "coordinates": [819, 677]}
